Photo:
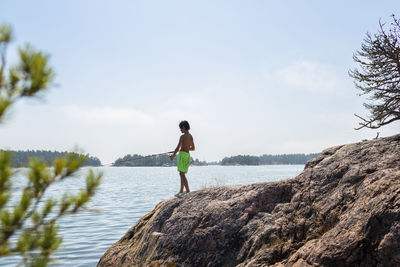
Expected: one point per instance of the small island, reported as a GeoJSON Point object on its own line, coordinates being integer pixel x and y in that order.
{"type": "Point", "coordinates": [137, 160]}
{"type": "Point", "coordinates": [284, 159]}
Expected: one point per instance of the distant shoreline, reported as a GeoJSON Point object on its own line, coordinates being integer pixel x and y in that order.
{"type": "Point", "coordinates": [21, 159]}
{"type": "Point", "coordinates": [219, 165]}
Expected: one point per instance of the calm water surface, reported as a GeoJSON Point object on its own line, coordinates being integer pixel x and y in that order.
{"type": "Point", "coordinates": [126, 194]}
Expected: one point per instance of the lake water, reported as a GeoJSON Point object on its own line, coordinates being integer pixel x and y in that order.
{"type": "Point", "coordinates": [126, 194]}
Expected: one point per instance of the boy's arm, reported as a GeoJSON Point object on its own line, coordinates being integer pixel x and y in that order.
{"type": "Point", "coordinates": [177, 148]}
{"type": "Point", "coordinates": [192, 145]}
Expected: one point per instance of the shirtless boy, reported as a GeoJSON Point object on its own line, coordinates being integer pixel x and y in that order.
{"type": "Point", "coordinates": [184, 146]}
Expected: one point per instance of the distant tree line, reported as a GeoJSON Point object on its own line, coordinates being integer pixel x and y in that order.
{"type": "Point", "coordinates": [241, 160]}
{"type": "Point", "coordinates": [20, 158]}
{"type": "Point", "coordinates": [140, 160]}
{"type": "Point", "coordinates": [284, 159]}
{"type": "Point", "coordinates": [137, 160]}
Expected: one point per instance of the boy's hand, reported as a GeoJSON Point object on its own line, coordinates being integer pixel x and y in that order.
{"type": "Point", "coordinates": [172, 157]}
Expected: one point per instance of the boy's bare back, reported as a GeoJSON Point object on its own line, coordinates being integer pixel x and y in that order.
{"type": "Point", "coordinates": [186, 142]}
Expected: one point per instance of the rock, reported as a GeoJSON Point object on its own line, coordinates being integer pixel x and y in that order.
{"type": "Point", "coordinates": [342, 210]}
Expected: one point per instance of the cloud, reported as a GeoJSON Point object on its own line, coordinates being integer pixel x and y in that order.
{"type": "Point", "coordinates": [106, 115]}
{"type": "Point", "coordinates": [310, 76]}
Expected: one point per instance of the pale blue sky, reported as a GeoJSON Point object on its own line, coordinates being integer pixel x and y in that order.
{"type": "Point", "coordinates": [252, 77]}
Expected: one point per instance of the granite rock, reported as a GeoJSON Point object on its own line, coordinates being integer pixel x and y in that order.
{"type": "Point", "coordinates": [342, 210]}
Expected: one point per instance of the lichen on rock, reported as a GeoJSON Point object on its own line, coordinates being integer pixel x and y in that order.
{"type": "Point", "coordinates": [342, 210]}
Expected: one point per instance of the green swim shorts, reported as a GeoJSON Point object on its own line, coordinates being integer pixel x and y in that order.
{"type": "Point", "coordinates": [183, 161]}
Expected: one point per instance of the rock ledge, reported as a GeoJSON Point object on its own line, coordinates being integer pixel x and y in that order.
{"type": "Point", "coordinates": [342, 210]}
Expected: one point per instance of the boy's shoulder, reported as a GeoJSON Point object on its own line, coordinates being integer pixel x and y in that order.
{"type": "Point", "coordinates": [186, 135]}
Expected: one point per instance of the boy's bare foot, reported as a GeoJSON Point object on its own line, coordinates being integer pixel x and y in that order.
{"type": "Point", "coordinates": [180, 194]}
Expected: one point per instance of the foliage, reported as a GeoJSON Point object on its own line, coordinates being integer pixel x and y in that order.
{"type": "Point", "coordinates": [28, 223]}
{"type": "Point", "coordinates": [268, 159]}
{"type": "Point", "coordinates": [241, 160]}
{"type": "Point", "coordinates": [286, 159]}
{"type": "Point", "coordinates": [197, 162]}
{"type": "Point", "coordinates": [21, 158]}
{"type": "Point", "coordinates": [137, 160]}
{"type": "Point", "coordinates": [379, 75]}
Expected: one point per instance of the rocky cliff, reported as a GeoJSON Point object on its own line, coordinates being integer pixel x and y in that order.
{"type": "Point", "coordinates": [342, 210]}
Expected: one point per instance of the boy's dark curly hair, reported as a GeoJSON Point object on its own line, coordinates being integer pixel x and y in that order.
{"type": "Point", "coordinates": [184, 124]}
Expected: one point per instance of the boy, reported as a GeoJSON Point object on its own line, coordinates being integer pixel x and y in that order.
{"type": "Point", "coordinates": [185, 144]}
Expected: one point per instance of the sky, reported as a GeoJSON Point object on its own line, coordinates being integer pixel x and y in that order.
{"type": "Point", "coordinates": [251, 77]}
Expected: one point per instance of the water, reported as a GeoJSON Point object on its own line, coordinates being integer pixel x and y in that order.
{"type": "Point", "coordinates": [126, 194]}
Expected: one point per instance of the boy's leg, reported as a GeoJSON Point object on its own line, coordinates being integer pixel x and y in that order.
{"type": "Point", "coordinates": [184, 182]}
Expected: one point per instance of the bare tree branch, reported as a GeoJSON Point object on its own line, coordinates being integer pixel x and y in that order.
{"type": "Point", "coordinates": [378, 75]}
